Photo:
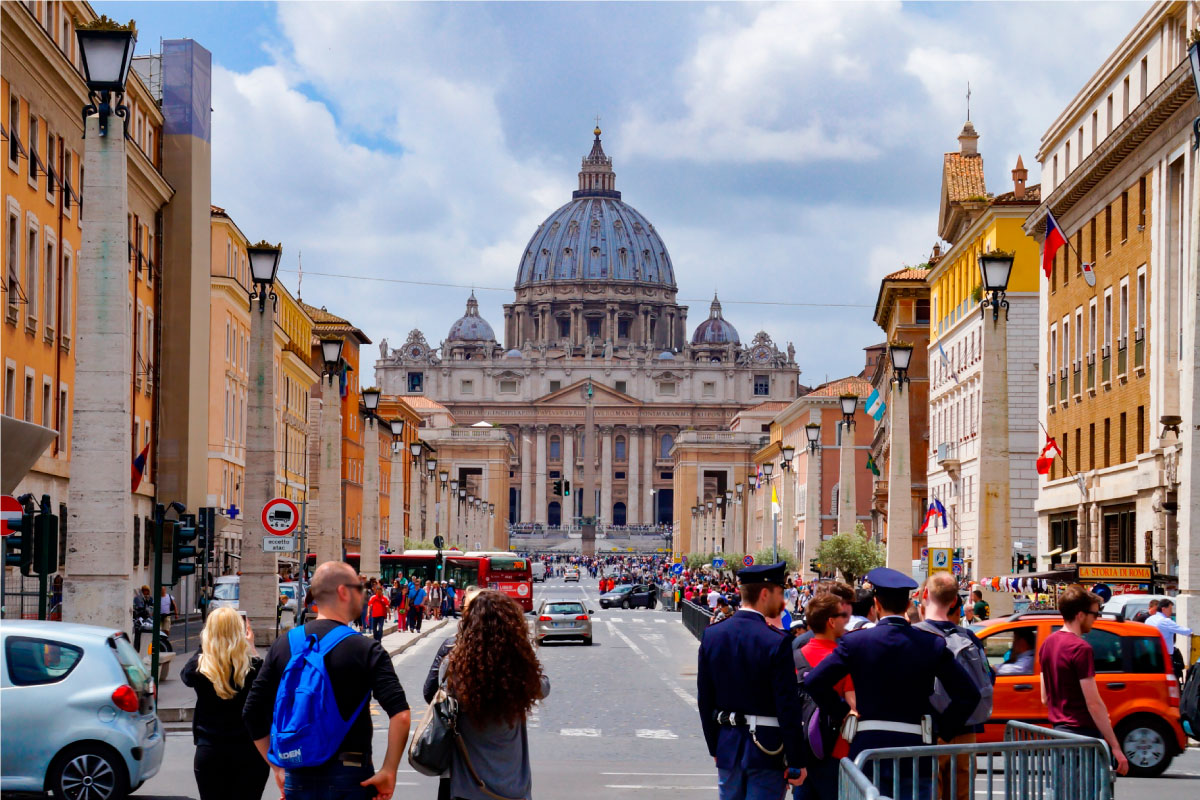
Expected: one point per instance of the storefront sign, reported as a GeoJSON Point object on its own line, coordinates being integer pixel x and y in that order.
{"type": "Point", "coordinates": [1124, 573]}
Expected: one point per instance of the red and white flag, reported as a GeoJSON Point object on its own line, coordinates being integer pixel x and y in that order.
{"type": "Point", "coordinates": [1055, 238]}
{"type": "Point", "coordinates": [1046, 459]}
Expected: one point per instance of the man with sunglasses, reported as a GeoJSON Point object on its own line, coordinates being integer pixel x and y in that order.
{"type": "Point", "coordinates": [1069, 689]}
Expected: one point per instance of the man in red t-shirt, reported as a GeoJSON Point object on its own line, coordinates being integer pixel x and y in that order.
{"type": "Point", "coordinates": [377, 609]}
{"type": "Point", "coordinates": [1069, 689]}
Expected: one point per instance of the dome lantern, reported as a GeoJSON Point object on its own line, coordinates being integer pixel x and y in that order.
{"type": "Point", "coordinates": [715, 330]}
{"type": "Point", "coordinates": [471, 327]}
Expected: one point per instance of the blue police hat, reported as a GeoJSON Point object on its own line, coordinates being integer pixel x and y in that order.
{"type": "Point", "coordinates": [764, 573]}
{"type": "Point", "coordinates": [888, 578]}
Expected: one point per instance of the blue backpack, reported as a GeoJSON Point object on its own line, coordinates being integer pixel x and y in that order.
{"type": "Point", "coordinates": [307, 727]}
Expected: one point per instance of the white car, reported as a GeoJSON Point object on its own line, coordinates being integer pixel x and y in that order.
{"type": "Point", "coordinates": [571, 574]}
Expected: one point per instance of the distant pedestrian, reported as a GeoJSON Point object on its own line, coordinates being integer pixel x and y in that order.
{"type": "Point", "coordinates": [1069, 690]}
{"type": "Point", "coordinates": [226, 764]}
{"type": "Point", "coordinates": [416, 611]}
{"type": "Point", "coordinates": [980, 606]}
{"type": "Point", "coordinates": [143, 609]}
{"type": "Point", "coordinates": [377, 607]}
{"type": "Point", "coordinates": [1169, 628]}
{"type": "Point", "coordinates": [167, 610]}
{"type": "Point", "coordinates": [1150, 611]}
{"type": "Point", "coordinates": [355, 668]}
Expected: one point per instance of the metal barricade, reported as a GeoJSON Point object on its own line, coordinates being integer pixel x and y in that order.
{"type": "Point", "coordinates": [695, 618]}
{"type": "Point", "coordinates": [1032, 763]}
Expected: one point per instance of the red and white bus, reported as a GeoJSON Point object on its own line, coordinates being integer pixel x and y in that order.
{"type": "Point", "coordinates": [504, 572]}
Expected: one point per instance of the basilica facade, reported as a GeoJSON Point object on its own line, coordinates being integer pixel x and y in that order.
{"type": "Point", "coordinates": [595, 307]}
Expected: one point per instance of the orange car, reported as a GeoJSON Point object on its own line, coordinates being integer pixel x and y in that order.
{"type": "Point", "coordinates": [1133, 673]}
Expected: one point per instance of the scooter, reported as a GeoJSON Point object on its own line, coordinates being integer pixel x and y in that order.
{"type": "Point", "coordinates": [146, 625]}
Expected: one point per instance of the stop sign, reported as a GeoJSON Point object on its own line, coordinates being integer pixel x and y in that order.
{"type": "Point", "coordinates": [9, 508]}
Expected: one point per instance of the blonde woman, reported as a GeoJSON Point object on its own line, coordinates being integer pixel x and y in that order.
{"type": "Point", "coordinates": [227, 765]}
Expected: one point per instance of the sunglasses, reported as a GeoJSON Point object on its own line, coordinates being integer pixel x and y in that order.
{"type": "Point", "coordinates": [362, 587]}
{"type": "Point", "coordinates": [1093, 613]}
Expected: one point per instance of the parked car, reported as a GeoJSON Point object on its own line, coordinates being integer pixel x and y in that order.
{"type": "Point", "coordinates": [226, 591]}
{"type": "Point", "coordinates": [1133, 673]}
{"type": "Point", "coordinates": [630, 596]}
{"type": "Point", "coordinates": [571, 574]}
{"type": "Point", "coordinates": [539, 570]}
{"type": "Point", "coordinates": [563, 619]}
{"type": "Point", "coordinates": [1126, 606]}
{"type": "Point", "coordinates": [76, 710]}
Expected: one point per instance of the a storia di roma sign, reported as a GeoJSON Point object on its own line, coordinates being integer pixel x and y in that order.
{"type": "Point", "coordinates": [1128, 573]}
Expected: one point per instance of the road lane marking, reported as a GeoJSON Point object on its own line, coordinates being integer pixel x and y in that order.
{"type": "Point", "coordinates": [645, 733]}
{"type": "Point", "coordinates": [659, 774]}
{"type": "Point", "coordinates": [638, 786]}
{"type": "Point", "coordinates": [678, 690]}
{"type": "Point", "coordinates": [589, 732]}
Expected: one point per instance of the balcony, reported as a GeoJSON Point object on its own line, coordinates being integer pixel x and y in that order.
{"type": "Point", "coordinates": [947, 456]}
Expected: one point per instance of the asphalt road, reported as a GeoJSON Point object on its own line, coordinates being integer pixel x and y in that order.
{"type": "Point", "coordinates": [620, 721]}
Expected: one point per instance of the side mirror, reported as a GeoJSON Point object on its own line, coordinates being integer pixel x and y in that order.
{"type": "Point", "coordinates": [591, 611]}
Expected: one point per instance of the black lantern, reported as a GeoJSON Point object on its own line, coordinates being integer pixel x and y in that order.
{"type": "Point", "coordinates": [443, 476]}
{"type": "Point", "coordinates": [106, 51]}
{"type": "Point", "coordinates": [431, 465]}
{"type": "Point", "coordinates": [264, 264]}
{"type": "Point", "coordinates": [415, 449]}
{"type": "Point", "coordinates": [370, 401]}
{"type": "Point", "coordinates": [331, 354]}
{"type": "Point", "coordinates": [849, 406]}
{"type": "Point", "coordinates": [695, 511]}
{"type": "Point", "coordinates": [788, 453]}
{"type": "Point", "coordinates": [995, 268]}
{"type": "Point", "coordinates": [812, 432]}
{"type": "Point", "coordinates": [901, 355]}
{"type": "Point", "coordinates": [768, 468]}
{"type": "Point", "coordinates": [708, 506]}
{"type": "Point", "coordinates": [753, 479]}
{"type": "Point", "coordinates": [453, 485]}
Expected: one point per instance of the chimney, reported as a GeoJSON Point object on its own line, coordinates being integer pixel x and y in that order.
{"type": "Point", "coordinates": [968, 140]}
{"type": "Point", "coordinates": [1019, 175]}
{"type": "Point", "coordinates": [937, 250]}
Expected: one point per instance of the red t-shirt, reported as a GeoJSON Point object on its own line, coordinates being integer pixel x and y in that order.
{"type": "Point", "coordinates": [378, 605]}
{"type": "Point", "coordinates": [1066, 660]}
{"type": "Point", "coordinates": [814, 653]}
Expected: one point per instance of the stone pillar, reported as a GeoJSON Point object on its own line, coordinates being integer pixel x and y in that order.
{"type": "Point", "coordinates": [900, 511]}
{"type": "Point", "coordinates": [396, 502]}
{"type": "Point", "coordinates": [527, 468]}
{"type": "Point", "coordinates": [606, 474]}
{"type": "Point", "coordinates": [539, 513]}
{"type": "Point", "coordinates": [327, 543]}
{"type": "Point", "coordinates": [847, 502]}
{"type": "Point", "coordinates": [259, 589]}
{"type": "Point", "coordinates": [568, 451]}
{"type": "Point", "coordinates": [1188, 545]}
{"type": "Point", "coordinates": [993, 529]}
{"type": "Point", "coordinates": [97, 589]}
{"type": "Point", "coordinates": [637, 493]}
{"type": "Point", "coordinates": [812, 511]}
{"type": "Point", "coordinates": [649, 512]}
{"type": "Point", "coordinates": [412, 499]}
{"type": "Point", "coordinates": [789, 540]}
{"type": "Point", "coordinates": [368, 546]}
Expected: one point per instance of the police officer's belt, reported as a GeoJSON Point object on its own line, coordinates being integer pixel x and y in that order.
{"type": "Point", "coordinates": [736, 719]}
{"type": "Point", "coordinates": [924, 731]}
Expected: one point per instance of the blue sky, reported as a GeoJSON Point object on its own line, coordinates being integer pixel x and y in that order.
{"type": "Point", "coordinates": [785, 152]}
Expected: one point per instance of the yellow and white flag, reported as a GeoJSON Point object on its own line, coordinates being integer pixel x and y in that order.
{"type": "Point", "coordinates": [774, 502]}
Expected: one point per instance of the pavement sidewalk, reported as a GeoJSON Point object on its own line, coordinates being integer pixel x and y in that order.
{"type": "Point", "coordinates": [177, 702]}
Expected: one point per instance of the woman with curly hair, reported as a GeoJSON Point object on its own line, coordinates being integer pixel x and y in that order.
{"type": "Point", "coordinates": [494, 675]}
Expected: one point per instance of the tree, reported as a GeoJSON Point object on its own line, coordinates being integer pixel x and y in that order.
{"type": "Point", "coordinates": [852, 554]}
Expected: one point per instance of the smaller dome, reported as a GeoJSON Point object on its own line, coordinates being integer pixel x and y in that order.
{"type": "Point", "coordinates": [715, 330]}
{"type": "Point", "coordinates": [514, 353]}
{"type": "Point", "coordinates": [666, 355]}
{"type": "Point", "coordinates": [471, 327]}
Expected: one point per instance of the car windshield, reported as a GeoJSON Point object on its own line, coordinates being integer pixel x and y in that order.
{"type": "Point", "coordinates": [622, 589]}
{"type": "Point", "coordinates": [226, 591]}
{"type": "Point", "coordinates": [135, 672]}
{"type": "Point", "coordinates": [564, 608]}
{"type": "Point", "coordinates": [290, 591]}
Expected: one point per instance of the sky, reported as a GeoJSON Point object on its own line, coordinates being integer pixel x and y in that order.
{"type": "Point", "coordinates": [788, 154]}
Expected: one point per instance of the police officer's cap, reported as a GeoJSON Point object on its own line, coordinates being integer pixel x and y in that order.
{"type": "Point", "coordinates": [887, 578]}
{"type": "Point", "coordinates": [764, 573]}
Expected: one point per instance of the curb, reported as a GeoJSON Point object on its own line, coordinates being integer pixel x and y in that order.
{"type": "Point", "coordinates": [185, 713]}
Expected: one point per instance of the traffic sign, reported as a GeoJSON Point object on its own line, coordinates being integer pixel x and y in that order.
{"type": "Point", "coordinates": [280, 517]}
{"type": "Point", "coordinates": [9, 509]}
{"type": "Point", "coordinates": [940, 559]}
{"type": "Point", "coordinates": [958, 566]}
{"type": "Point", "coordinates": [748, 561]}
{"type": "Point", "coordinates": [718, 563]}
{"type": "Point", "coordinates": [279, 544]}
{"type": "Point", "coordinates": [677, 569]}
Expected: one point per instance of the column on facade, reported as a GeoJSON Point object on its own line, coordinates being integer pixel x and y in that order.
{"type": "Point", "coordinates": [525, 433]}
{"type": "Point", "coordinates": [812, 511]}
{"type": "Point", "coordinates": [368, 548]}
{"type": "Point", "coordinates": [606, 474]}
{"type": "Point", "coordinates": [415, 504]}
{"type": "Point", "coordinates": [634, 497]}
{"type": "Point", "coordinates": [788, 535]}
{"type": "Point", "coordinates": [993, 531]}
{"type": "Point", "coordinates": [540, 476]}
{"type": "Point", "coordinates": [847, 503]}
{"type": "Point", "coordinates": [327, 544]}
{"type": "Point", "coordinates": [396, 500]}
{"type": "Point", "coordinates": [649, 512]}
{"type": "Point", "coordinates": [568, 472]}
{"type": "Point", "coordinates": [900, 510]}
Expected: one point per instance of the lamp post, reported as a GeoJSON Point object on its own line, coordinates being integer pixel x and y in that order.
{"type": "Point", "coordinates": [847, 500]}
{"type": "Point", "coordinates": [259, 569]}
{"type": "Point", "coordinates": [106, 52]}
{"type": "Point", "coordinates": [327, 543]}
{"type": "Point", "coordinates": [369, 535]}
{"type": "Point", "coordinates": [97, 587]}
{"type": "Point", "coordinates": [900, 502]}
{"type": "Point", "coordinates": [396, 484]}
{"type": "Point", "coordinates": [443, 481]}
{"type": "Point", "coordinates": [739, 517]}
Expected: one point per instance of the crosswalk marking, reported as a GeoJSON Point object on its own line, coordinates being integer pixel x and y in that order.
{"type": "Point", "coordinates": [655, 734]}
{"type": "Point", "coordinates": [589, 732]}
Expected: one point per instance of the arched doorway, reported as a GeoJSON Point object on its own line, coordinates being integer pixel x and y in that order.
{"type": "Point", "coordinates": [554, 514]}
{"type": "Point", "coordinates": [618, 514]}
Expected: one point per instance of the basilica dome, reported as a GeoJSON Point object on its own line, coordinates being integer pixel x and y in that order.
{"type": "Point", "coordinates": [471, 327]}
{"type": "Point", "coordinates": [596, 236]}
{"type": "Point", "coordinates": [715, 330]}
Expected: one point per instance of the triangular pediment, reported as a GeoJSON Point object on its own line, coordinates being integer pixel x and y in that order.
{"type": "Point", "coordinates": [572, 395]}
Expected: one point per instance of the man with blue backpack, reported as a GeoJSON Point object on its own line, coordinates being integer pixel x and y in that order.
{"type": "Point", "coordinates": [307, 710]}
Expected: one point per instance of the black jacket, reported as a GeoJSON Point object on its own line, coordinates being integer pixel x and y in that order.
{"type": "Point", "coordinates": [216, 721]}
{"type": "Point", "coordinates": [431, 679]}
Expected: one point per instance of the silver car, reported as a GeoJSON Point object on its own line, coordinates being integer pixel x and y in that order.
{"type": "Point", "coordinates": [563, 619]}
{"type": "Point", "coordinates": [77, 712]}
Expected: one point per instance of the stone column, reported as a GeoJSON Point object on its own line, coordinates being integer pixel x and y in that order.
{"type": "Point", "coordinates": [900, 510]}
{"type": "Point", "coordinates": [368, 546]}
{"type": "Point", "coordinates": [527, 469]}
{"type": "Point", "coordinates": [543, 467]}
{"type": "Point", "coordinates": [1188, 545]}
{"type": "Point", "coordinates": [568, 453]}
{"type": "Point", "coordinates": [637, 493]}
{"type": "Point", "coordinates": [97, 589]}
{"type": "Point", "coordinates": [606, 474]}
{"type": "Point", "coordinates": [812, 511]}
{"type": "Point", "coordinates": [396, 502]}
{"type": "Point", "coordinates": [327, 543]}
{"type": "Point", "coordinates": [993, 530]}
{"type": "Point", "coordinates": [412, 499]}
{"type": "Point", "coordinates": [259, 590]}
{"type": "Point", "coordinates": [649, 512]}
{"type": "Point", "coordinates": [847, 504]}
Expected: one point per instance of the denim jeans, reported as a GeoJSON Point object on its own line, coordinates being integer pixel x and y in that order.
{"type": "Point", "coordinates": [333, 782]}
{"type": "Point", "coordinates": [377, 627]}
{"type": "Point", "coordinates": [821, 782]}
{"type": "Point", "coordinates": [749, 784]}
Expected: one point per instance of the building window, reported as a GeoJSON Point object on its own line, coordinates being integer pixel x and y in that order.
{"type": "Point", "coordinates": [622, 387]}
{"type": "Point", "coordinates": [1064, 532]}
{"type": "Point", "coordinates": [467, 387]}
{"type": "Point", "coordinates": [31, 277]}
{"type": "Point", "coordinates": [564, 327]}
{"type": "Point", "coordinates": [620, 446]}
{"type": "Point", "coordinates": [1141, 430]}
{"type": "Point", "coordinates": [47, 404]}
{"type": "Point", "coordinates": [665, 444]}
{"type": "Point", "coordinates": [508, 386]}
{"type": "Point", "coordinates": [137, 538]}
{"type": "Point", "coordinates": [555, 385]}
{"type": "Point", "coordinates": [666, 387]}
{"type": "Point", "coordinates": [555, 448]}
{"type": "Point", "coordinates": [593, 327]}
{"type": "Point", "coordinates": [762, 385]}
{"type": "Point", "coordinates": [1107, 229]}
{"type": "Point", "coordinates": [10, 391]}
{"type": "Point", "coordinates": [416, 381]}
{"type": "Point", "coordinates": [1124, 216]}
{"type": "Point", "coordinates": [68, 283]}
{"type": "Point", "coordinates": [12, 268]}
{"type": "Point", "coordinates": [1121, 438]}
{"type": "Point", "coordinates": [622, 329]}
{"type": "Point", "coordinates": [922, 311]}
{"type": "Point", "coordinates": [1091, 445]}
{"type": "Point", "coordinates": [710, 389]}
{"type": "Point", "coordinates": [33, 147]}
{"type": "Point", "coordinates": [1107, 441]}
{"type": "Point", "coordinates": [14, 129]}
{"type": "Point", "coordinates": [27, 411]}
{"type": "Point", "coordinates": [1141, 204]}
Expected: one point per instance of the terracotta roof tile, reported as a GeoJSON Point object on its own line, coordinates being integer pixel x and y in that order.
{"type": "Point", "coordinates": [416, 401]}
{"type": "Point", "coordinates": [851, 385]}
{"type": "Point", "coordinates": [908, 274]}
{"type": "Point", "coordinates": [1033, 196]}
{"type": "Point", "coordinates": [325, 321]}
{"type": "Point", "coordinates": [964, 177]}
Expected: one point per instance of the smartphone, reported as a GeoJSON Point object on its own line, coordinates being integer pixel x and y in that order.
{"type": "Point", "coordinates": [245, 621]}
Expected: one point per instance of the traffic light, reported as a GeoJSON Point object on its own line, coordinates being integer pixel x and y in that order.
{"type": "Point", "coordinates": [566, 488]}
{"type": "Point", "coordinates": [812, 565]}
{"type": "Point", "coordinates": [19, 552]}
{"type": "Point", "coordinates": [438, 562]}
{"type": "Point", "coordinates": [45, 545]}
{"type": "Point", "coordinates": [183, 551]}
{"type": "Point", "coordinates": [558, 488]}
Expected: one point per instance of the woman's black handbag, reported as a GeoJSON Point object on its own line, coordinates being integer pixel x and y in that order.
{"type": "Point", "coordinates": [433, 743]}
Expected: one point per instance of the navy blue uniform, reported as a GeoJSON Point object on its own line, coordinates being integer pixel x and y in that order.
{"type": "Point", "coordinates": [746, 666]}
{"type": "Point", "coordinates": [893, 666]}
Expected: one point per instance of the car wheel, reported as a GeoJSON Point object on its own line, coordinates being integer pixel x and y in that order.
{"type": "Point", "coordinates": [625, 604]}
{"type": "Point", "coordinates": [1146, 742]}
{"type": "Point", "coordinates": [539, 642]}
{"type": "Point", "coordinates": [587, 640]}
{"type": "Point", "coordinates": [88, 772]}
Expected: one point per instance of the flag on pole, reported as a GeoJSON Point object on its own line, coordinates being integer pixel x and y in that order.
{"type": "Point", "coordinates": [774, 502]}
{"type": "Point", "coordinates": [936, 510]}
{"type": "Point", "coordinates": [139, 467]}
{"type": "Point", "coordinates": [875, 405]}
{"type": "Point", "coordinates": [1055, 238]}
{"type": "Point", "coordinates": [871, 465]}
{"type": "Point", "coordinates": [946, 362]}
{"type": "Point", "coordinates": [1046, 459]}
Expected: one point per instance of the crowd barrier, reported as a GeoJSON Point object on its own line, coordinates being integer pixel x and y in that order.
{"type": "Point", "coordinates": [1032, 763]}
{"type": "Point", "coordinates": [695, 618]}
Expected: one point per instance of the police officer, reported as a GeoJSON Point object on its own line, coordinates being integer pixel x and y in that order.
{"type": "Point", "coordinates": [749, 706]}
{"type": "Point", "coordinates": [893, 666]}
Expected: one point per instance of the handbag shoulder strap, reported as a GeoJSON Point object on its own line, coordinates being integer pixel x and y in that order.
{"type": "Point", "coordinates": [478, 781]}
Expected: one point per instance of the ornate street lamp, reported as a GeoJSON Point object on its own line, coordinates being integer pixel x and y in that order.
{"type": "Point", "coordinates": [708, 506]}
{"type": "Point", "coordinates": [106, 50]}
{"type": "Point", "coordinates": [995, 267]}
{"type": "Point", "coordinates": [415, 449]}
{"type": "Point", "coordinates": [264, 264]}
{"type": "Point", "coordinates": [753, 479]}
{"type": "Point", "coordinates": [443, 476]}
{"type": "Point", "coordinates": [371, 400]}
{"type": "Point", "coordinates": [849, 406]}
{"type": "Point", "coordinates": [331, 354]}
{"type": "Point", "coordinates": [812, 432]}
{"type": "Point", "coordinates": [740, 488]}
{"type": "Point", "coordinates": [695, 512]}
{"type": "Point", "coordinates": [787, 453]}
{"type": "Point", "coordinates": [901, 355]}
{"type": "Point", "coordinates": [397, 428]}
{"type": "Point", "coordinates": [453, 485]}
{"type": "Point", "coordinates": [768, 468]}
{"type": "Point", "coordinates": [431, 466]}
